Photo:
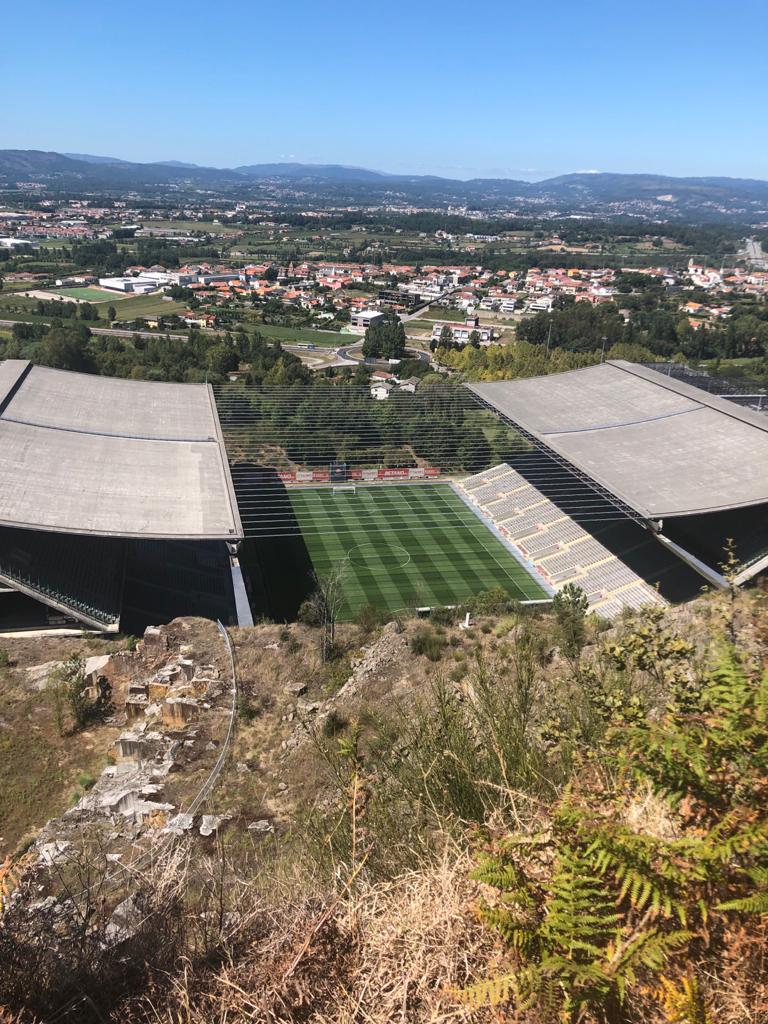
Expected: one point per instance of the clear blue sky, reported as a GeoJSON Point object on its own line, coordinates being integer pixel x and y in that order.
{"type": "Point", "coordinates": [508, 88]}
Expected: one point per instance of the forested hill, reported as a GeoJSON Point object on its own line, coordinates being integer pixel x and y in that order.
{"type": "Point", "coordinates": [704, 198]}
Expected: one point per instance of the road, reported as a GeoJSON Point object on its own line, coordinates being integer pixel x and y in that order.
{"type": "Point", "coordinates": [109, 330]}
{"type": "Point", "coordinates": [315, 359]}
{"type": "Point", "coordinates": [755, 253]}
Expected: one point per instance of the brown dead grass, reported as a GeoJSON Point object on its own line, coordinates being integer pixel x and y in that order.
{"type": "Point", "coordinates": [394, 951]}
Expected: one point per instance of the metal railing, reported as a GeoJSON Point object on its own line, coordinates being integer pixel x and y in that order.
{"type": "Point", "coordinates": [213, 778]}
{"type": "Point", "coordinates": [115, 880]}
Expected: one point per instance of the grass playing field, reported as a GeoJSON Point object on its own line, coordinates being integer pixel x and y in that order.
{"type": "Point", "coordinates": [405, 546]}
{"type": "Point", "coordinates": [88, 294]}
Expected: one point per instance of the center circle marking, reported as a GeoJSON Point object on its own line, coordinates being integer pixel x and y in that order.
{"type": "Point", "coordinates": [362, 555]}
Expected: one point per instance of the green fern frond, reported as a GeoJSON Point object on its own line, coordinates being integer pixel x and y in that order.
{"type": "Point", "coordinates": [492, 871]}
{"type": "Point", "coordinates": [489, 993]}
{"type": "Point", "coordinates": [755, 902]}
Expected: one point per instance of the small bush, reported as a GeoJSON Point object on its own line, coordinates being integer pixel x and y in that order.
{"type": "Point", "coordinates": [338, 669]}
{"type": "Point", "coordinates": [5, 658]}
{"type": "Point", "coordinates": [308, 613]}
{"type": "Point", "coordinates": [495, 601]}
{"type": "Point", "coordinates": [334, 724]}
{"type": "Point", "coordinates": [246, 711]}
{"type": "Point", "coordinates": [443, 616]}
{"type": "Point", "coordinates": [85, 780]}
{"type": "Point", "coordinates": [428, 643]}
{"type": "Point", "coordinates": [505, 625]}
{"type": "Point", "coordinates": [370, 617]}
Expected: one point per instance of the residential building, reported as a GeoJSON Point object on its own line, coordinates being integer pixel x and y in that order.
{"type": "Point", "coordinates": [461, 332]}
{"type": "Point", "coordinates": [363, 318]}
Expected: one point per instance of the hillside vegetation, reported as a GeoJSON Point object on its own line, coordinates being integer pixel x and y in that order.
{"type": "Point", "coordinates": [539, 819]}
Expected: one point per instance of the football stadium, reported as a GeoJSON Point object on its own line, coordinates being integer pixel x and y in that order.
{"type": "Point", "coordinates": [125, 503]}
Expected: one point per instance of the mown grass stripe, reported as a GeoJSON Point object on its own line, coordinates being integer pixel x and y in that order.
{"type": "Point", "coordinates": [452, 554]}
{"type": "Point", "coordinates": [461, 555]}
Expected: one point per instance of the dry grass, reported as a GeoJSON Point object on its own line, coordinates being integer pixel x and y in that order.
{"type": "Point", "coordinates": [394, 951]}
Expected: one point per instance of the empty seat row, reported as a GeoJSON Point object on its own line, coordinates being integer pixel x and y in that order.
{"type": "Point", "coordinates": [563, 551]}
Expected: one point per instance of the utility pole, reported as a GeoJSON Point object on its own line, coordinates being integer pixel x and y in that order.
{"type": "Point", "coordinates": [602, 350]}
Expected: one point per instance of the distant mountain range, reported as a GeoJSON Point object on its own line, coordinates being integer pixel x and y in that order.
{"type": "Point", "coordinates": [605, 193]}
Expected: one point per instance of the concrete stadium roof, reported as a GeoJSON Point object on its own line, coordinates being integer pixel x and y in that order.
{"type": "Point", "coordinates": [97, 455]}
{"type": "Point", "coordinates": [663, 447]}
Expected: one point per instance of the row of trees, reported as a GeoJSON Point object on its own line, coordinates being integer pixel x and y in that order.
{"type": "Point", "coordinates": [69, 345]}
{"type": "Point", "coordinates": [385, 338]}
{"type": "Point", "coordinates": [655, 323]}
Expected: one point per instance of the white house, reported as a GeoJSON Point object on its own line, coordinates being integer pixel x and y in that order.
{"type": "Point", "coordinates": [364, 318]}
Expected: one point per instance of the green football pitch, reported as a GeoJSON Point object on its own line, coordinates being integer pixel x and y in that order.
{"type": "Point", "coordinates": [405, 546]}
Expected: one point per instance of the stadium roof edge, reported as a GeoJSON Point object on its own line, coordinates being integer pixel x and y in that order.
{"type": "Point", "coordinates": [664, 448]}
{"type": "Point", "coordinates": [234, 508]}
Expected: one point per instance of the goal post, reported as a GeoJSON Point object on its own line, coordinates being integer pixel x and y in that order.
{"type": "Point", "coordinates": [345, 489]}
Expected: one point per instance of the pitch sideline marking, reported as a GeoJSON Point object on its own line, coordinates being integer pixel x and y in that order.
{"type": "Point", "coordinates": [506, 573]}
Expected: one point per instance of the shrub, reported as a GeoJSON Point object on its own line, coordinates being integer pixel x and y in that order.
{"type": "Point", "coordinates": [570, 608]}
{"type": "Point", "coordinates": [444, 616]}
{"type": "Point", "coordinates": [334, 724]}
{"type": "Point", "coordinates": [246, 710]}
{"type": "Point", "coordinates": [66, 686]}
{"type": "Point", "coordinates": [596, 904]}
{"type": "Point", "coordinates": [495, 601]}
{"type": "Point", "coordinates": [428, 643]}
{"type": "Point", "coordinates": [309, 613]}
{"type": "Point", "coordinates": [370, 617]}
{"type": "Point", "coordinates": [5, 658]}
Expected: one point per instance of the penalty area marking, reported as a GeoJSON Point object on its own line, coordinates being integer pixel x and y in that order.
{"type": "Point", "coordinates": [361, 555]}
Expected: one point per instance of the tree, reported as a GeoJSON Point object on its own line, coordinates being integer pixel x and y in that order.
{"type": "Point", "coordinates": [111, 313]}
{"type": "Point", "coordinates": [385, 337]}
{"type": "Point", "coordinates": [66, 349]}
{"type": "Point", "coordinates": [271, 274]}
{"type": "Point", "coordinates": [66, 686]}
{"type": "Point", "coordinates": [446, 337]}
{"type": "Point", "coordinates": [570, 607]}
{"type": "Point", "coordinates": [322, 608]}
{"type": "Point", "coordinates": [221, 359]}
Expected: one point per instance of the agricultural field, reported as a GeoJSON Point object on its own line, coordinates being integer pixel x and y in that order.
{"type": "Point", "coordinates": [397, 547]}
{"type": "Point", "coordinates": [140, 305]}
{"type": "Point", "coordinates": [301, 335]}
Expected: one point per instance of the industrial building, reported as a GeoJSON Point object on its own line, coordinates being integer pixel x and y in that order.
{"type": "Point", "coordinates": [133, 285]}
